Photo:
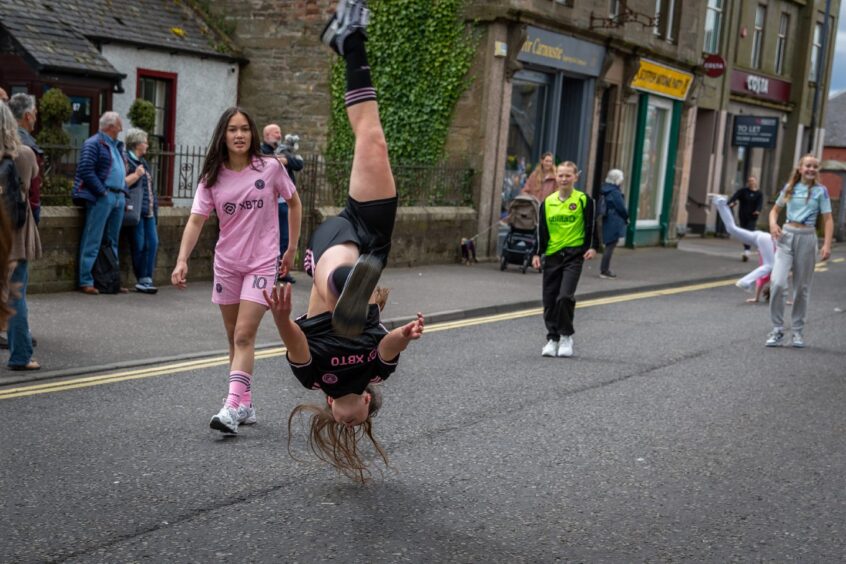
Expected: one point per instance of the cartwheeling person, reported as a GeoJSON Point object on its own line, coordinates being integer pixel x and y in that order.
{"type": "Point", "coordinates": [340, 345]}
{"type": "Point", "coordinates": [241, 187]}
{"type": "Point", "coordinates": [757, 239]}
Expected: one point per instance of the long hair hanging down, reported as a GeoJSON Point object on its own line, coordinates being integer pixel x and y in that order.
{"type": "Point", "coordinates": [337, 444]}
{"type": "Point", "coordinates": [218, 154]}
{"type": "Point", "coordinates": [795, 178]}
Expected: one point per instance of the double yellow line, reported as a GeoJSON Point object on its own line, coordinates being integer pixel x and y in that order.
{"type": "Point", "coordinates": [186, 366]}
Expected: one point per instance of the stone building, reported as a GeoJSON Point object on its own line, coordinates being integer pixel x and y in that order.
{"type": "Point", "coordinates": [611, 84]}
{"type": "Point", "coordinates": [766, 108]}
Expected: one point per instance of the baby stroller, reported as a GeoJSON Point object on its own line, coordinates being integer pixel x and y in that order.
{"type": "Point", "coordinates": [522, 236]}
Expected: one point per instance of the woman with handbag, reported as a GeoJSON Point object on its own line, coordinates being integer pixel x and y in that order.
{"type": "Point", "coordinates": [144, 239]}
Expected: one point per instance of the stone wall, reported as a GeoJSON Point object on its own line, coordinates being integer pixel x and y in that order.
{"type": "Point", "coordinates": [421, 236]}
{"type": "Point", "coordinates": [287, 78]}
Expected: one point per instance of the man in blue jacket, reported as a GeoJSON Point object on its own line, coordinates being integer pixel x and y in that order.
{"type": "Point", "coordinates": [100, 184]}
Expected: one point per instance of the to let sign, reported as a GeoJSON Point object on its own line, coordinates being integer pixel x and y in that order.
{"type": "Point", "coordinates": [753, 131]}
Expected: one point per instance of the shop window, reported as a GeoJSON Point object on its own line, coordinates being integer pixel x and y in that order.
{"type": "Point", "coordinates": [781, 42]}
{"type": "Point", "coordinates": [654, 160]}
{"type": "Point", "coordinates": [78, 127]}
{"type": "Point", "coordinates": [529, 102]}
{"type": "Point", "coordinates": [713, 26]}
{"type": "Point", "coordinates": [758, 35]}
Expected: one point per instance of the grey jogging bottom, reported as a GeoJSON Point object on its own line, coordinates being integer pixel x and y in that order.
{"type": "Point", "coordinates": [797, 250]}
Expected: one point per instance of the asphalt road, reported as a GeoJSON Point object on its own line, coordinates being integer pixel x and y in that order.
{"type": "Point", "coordinates": [673, 435]}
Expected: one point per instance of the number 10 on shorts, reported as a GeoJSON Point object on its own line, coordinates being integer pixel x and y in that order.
{"type": "Point", "coordinates": [259, 282]}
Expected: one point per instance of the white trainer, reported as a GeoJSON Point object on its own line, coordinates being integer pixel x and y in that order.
{"type": "Point", "coordinates": [226, 421]}
{"type": "Point", "coordinates": [246, 415]}
{"type": "Point", "coordinates": [565, 346]}
{"type": "Point", "coordinates": [550, 348]}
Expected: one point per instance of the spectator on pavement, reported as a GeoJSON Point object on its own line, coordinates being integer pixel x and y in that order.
{"type": "Point", "coordinates": [566, 240]}
{"type": "Point", "coordinates": [272, 145]}
{"type": "Point", "coordinates": [241, 187]}
{"type": "Point", "coordinates": [26, 112]}
{"type": "Point", "coordinates": [26, 244]}
{"type": "Point", "coordinates": [541, 182]}
{"type": "Point", "coordinates": [340, 346]}
{"type": "Point", "coordinates": [614, 218]}
{"type": "Point", "coordinates": [805, 199]}
{"type": "Point", "coordinates": [100, 184]}
{"type": "Point", "coordinates": [751, 202]}
{"type": "Point", "coordinates": [144, 241]}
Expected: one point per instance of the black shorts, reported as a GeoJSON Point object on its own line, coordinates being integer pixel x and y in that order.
{"type": "Point", "coordinates": [369, 225]}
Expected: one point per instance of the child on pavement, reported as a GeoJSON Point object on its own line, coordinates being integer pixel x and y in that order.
{"type": "Point", "coordinates": [566, 240]}
{"type": "Point", "coordinates": [805, 200]}
{"type": "Point", "coordinates": [241, 187]}
{"type": "Point", "coordinates": [340, 346]}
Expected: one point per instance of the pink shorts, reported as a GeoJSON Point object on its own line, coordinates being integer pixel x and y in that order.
{"type": "Point", "coordinates": [231, 287]}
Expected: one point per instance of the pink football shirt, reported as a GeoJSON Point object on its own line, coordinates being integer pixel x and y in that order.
{"type": "Point", "coordinates": [245, 204]}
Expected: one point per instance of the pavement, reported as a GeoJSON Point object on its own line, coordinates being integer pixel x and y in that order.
{"type": "Point", "coordinates": [79, 334]}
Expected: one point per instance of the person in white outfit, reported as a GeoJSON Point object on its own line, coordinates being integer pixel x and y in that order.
{"type": "Point", "coordinates": [758, 239]}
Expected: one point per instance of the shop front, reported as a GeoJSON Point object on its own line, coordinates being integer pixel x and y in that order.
{"type": "Point", "coordinates": [651, 158]}
{"type": "Point", "coordinates": [755, 121]}
{"type": "Point", "coordinates": [551, 104]}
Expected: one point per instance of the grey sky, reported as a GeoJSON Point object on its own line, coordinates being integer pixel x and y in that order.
{"type": "Point", "coordinates": [838, 74]}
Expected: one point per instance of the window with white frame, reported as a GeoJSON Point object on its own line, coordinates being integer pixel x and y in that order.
{"type": "Point", "coordinates": [758, 35]}
{"type": "Point", "coordinates": [781, 42]}
{"type": "Point", "coordinates": [713, 26]}
{"type": "Point", "coordinates": [666, 18]}
{"type": "Point", "coordinates": [816, 50]}
{"type": "Point", "coordinates": [615, 9]}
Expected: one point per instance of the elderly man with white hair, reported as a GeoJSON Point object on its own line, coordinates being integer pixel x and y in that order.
{"type": "Point", "coordinates": [101, 186]}
{"type": "Point", "coordinates": [614, 215]}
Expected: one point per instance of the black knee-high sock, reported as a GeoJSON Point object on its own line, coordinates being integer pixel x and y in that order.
{"type": "Point", "coordinates": [359, 83]}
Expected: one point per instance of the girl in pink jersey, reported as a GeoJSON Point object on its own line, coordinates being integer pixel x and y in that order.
{"type": "Point", "coordinates": [340, 346]}
{"type": "Point", "coordinates": [241, 187]}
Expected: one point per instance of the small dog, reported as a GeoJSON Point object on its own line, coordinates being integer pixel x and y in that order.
{"type": "Point", "coordinates": [468, 251]}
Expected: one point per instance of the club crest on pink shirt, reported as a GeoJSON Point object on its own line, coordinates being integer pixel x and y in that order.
{"type": "Point", "coordinates": [329, 379]}
{"type": "Point", "coordinates": [259, 184]}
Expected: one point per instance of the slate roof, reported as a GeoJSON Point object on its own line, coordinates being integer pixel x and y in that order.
{"type": "Point", "coordinates": [64, 33]}
{"type": "Point", "coordinates": [835, 121]}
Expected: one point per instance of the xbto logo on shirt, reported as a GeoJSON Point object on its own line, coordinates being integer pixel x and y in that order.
{"type": "Point", "coordinates": [229, 208]}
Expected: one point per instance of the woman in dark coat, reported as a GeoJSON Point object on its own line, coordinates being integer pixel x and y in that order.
{"type": "Point", "coordinates": [615, 217]}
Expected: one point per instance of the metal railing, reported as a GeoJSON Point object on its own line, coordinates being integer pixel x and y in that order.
{"type": "Point", "coordinates": [176, 171]}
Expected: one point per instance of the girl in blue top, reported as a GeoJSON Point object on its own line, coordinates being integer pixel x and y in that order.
{"type": "Point", "coordinates": [796, 246]}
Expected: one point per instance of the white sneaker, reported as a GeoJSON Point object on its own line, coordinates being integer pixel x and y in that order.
{"type": "Point", "coordinates": [550, 348]}
{"type": "Point", "coordinates": [246, 415]}
{"type": "Point", "coordinates": [565, 346]}
{"type": "Point", "coordinates": [745, 287]}
{"type": "Point", "coordinates": [226, 421]}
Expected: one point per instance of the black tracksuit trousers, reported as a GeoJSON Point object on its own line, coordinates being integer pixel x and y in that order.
{"type": "Point", "coordinates": [561, 273]}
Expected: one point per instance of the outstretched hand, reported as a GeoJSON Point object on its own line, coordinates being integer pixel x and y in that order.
{"type": "Point", "coordinates": [414, 329]}
{"type": "Point", "coordinates": [279, 301]}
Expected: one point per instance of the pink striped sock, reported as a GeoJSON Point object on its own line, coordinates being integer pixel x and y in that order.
{"type": "Point", "coordinates": [239, 385]}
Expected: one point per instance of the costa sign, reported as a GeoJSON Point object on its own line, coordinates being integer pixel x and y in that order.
{"type": "Point", "coordinates": [757, 86]}
{"type": "Point", "coordinates": [714, 65]}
